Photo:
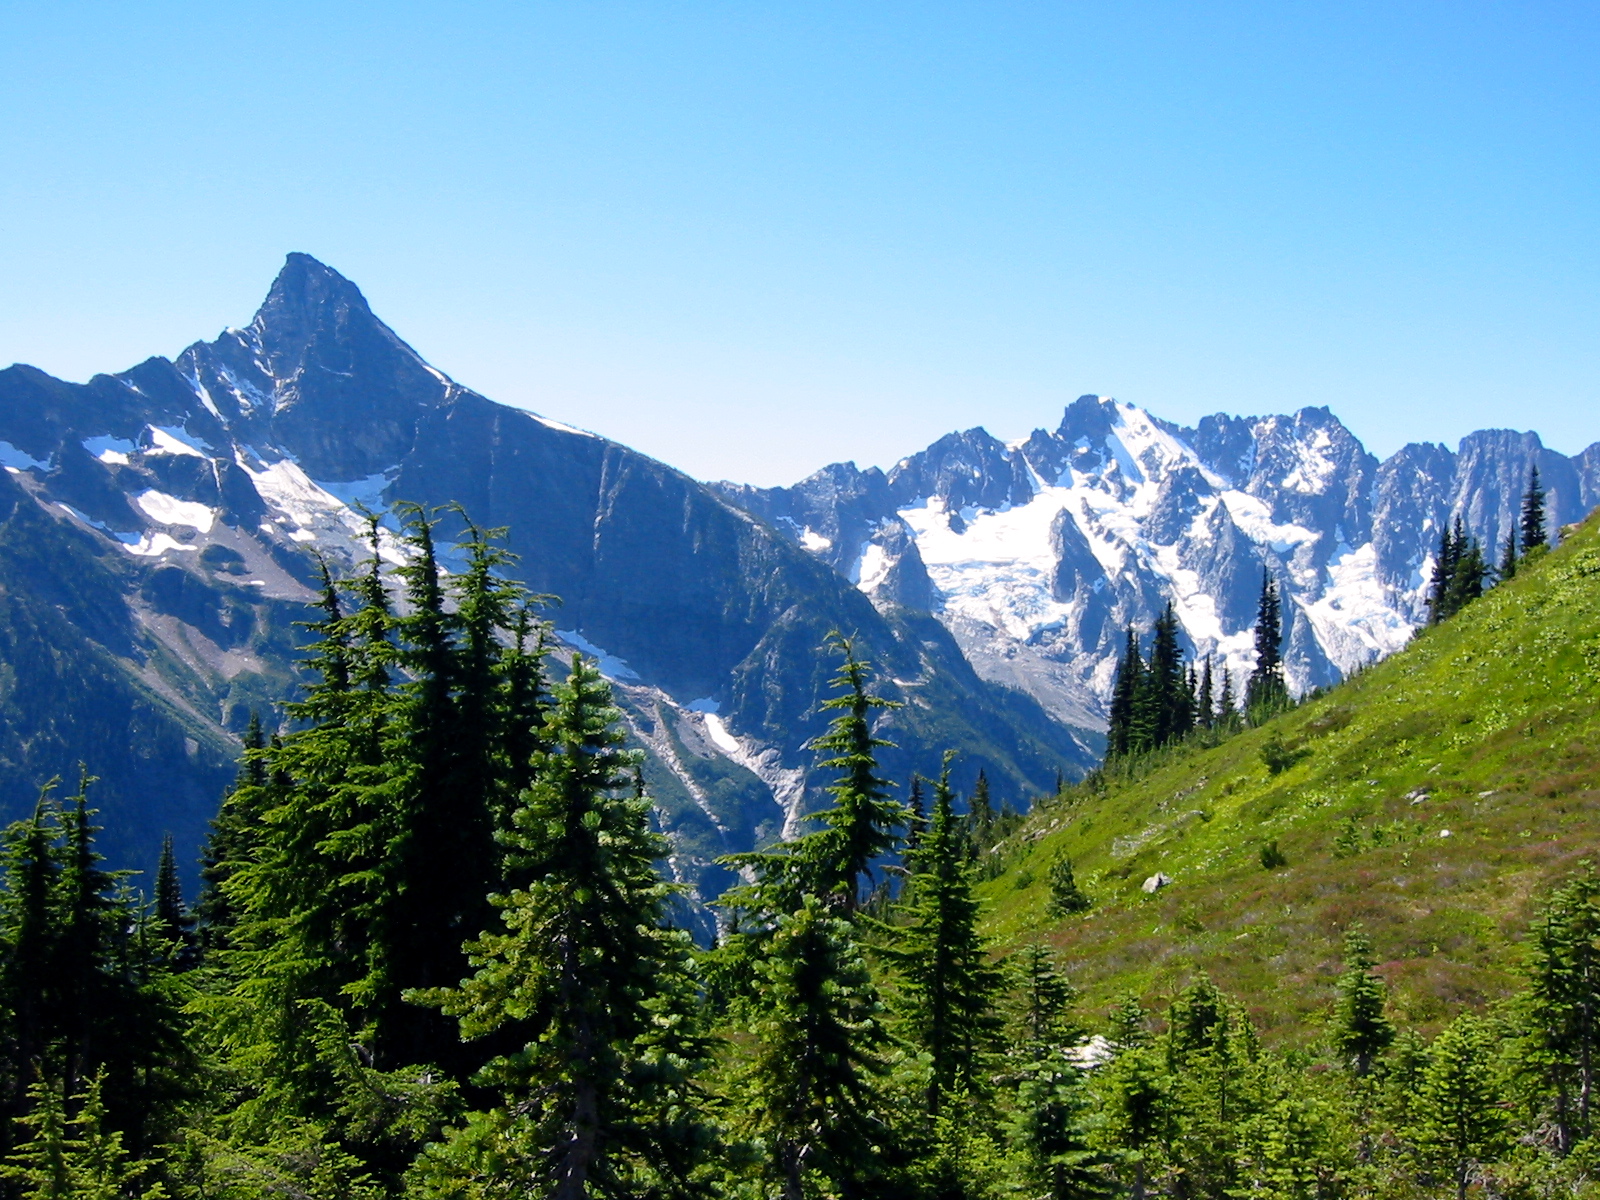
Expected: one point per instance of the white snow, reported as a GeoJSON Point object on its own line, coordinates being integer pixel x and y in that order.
{"type": "Point", "coordinates": [611, 666]}
{"type": "Point", "coordinates": [1355, 619]}
{"type": "Point", "coordinates": [110, 449]}
{"type": "Point", "coordinates": [814, 541]}
{"type": "Point", "coordinates": [17, 461]}
{"type": "Point", "coordinates": [151, 545]}
{"type": "Point", "coordinates": [169, 510]}
{"type": "Point", "coordinates": [561, 425]}
{"type": "Point", "coordinates": [174, 439]}
{"type": "Point", "coordinates": [718, 732]}
{"type": "Point", "coordinates": [871, 567]}
{"type": "Point", "coordinates": [307, 511]}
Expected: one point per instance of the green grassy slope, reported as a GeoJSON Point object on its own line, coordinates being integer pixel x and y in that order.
{"type": "Point", "coordinates": [1495, 715]}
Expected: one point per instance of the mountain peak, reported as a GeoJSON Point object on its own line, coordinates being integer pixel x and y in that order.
{"type": "Point", "coordinates": [306, 295]}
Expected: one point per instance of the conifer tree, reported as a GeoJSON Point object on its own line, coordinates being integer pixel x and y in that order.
{"type": "Point", "coordinates": [1361, 1030]}
{"type": "Point", "coordinates": [1066, 897]}
{"type": "Point", "coordinates": [233, 841]}
{"type": "Point", "coordinates": [811, 1084]}
{"type": "Point", "coordinates": [1205, 698]}
{"type": "Point", "coordinates": [1532, 521]}
{"type": "Point", "coordinates": [173, 924]}
{"type": "Point", "coordinates": [1043, 998]}
{"type": "Point", "coordinates": [949, 987]}
{"type": "Point", "coordinates": [1508, 557]}
{"type": "Point", "coordinates": [1266, 691]}
{"type": "Point", "coordinates": [1563, 1005]}
{"type": "Point", "coordinates": [1227, 706]}
{"type": "Point", "coordinates": [584, 956]}
{"type": "Point", "coordinates": [1054, 1112]}
{"type": "Point", "coordinates": [981, 811]}
{"type": "Point", "coordinates": [1459, 1120]}
{"type": "Point", "coordinates": [916, 818]}
{"type": "Point", "coordinates": [861, 826]}
{"type": "Point", "coordinates": [1124, 689]}
{"type": "Point", "coordinates": [1441, 585]}
{"type": "Point", "coordinates": [77, 1157]}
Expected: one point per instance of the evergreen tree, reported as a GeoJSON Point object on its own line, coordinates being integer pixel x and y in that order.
{"type": "Point", "coordinates": [1459, 1119]}
{"type": "Point", "coordinates": [1054, 1114]}
{"type": "Point", "coordinates": [1361, 1030]}
{"type": "Point", "coordinates": [949, 988]}
{"type": "Point", "coordinates": [1124, 690]}
{"type": "Point", "coordinates": [1441, 585]}
{"type": "Point", "coordinates": [1138, 1112]}
{"type": "Point", "coordinates": [981, 813]}
{"type": "Point", "coordinates": [173, 924]}
{"type": "Point", "coordinates": [233, 841]}
{"type": "Point", "coordinates": [810, 1087]}
{"type": "Point", "coordinates": [1043, 999]}
{"type": "Point", "coordinates": [861, 826]}
{"type": "Point", "coordinates": [1532, 521]}
{"type": "Point", "coordinates": [1227, 706]}
{"type": "Point", "coordinates": [1508, 557]}
{"type": "Point", "coordinates": [1266, 691]}
{"type": "Point", "coordinates": [1205, 699]}
{"type": "Point", "coordinates": [1562, 1005]}
{"type": "Point", "coordinates": [584, 957]}
{"type": "Point", "coordinates": [916, 818]}
{"type": "Point", "coordinates": [1065, 895]}
{"type": "Point", "coordinates": [78, 1157]}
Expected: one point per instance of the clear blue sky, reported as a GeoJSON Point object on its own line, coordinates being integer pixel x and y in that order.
{"type": "Point", "coordinates": [751, 238]}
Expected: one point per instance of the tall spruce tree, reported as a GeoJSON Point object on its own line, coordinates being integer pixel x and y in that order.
{"type": "Point", "coordinates": [1124, 690]}
{"type": "Point", "coordinates": [1266, 691]}
{"type": "Point", "coordinates": [1532, 518]}
{"type": "Point", "coordinates": [1562, 1006]}
{"type": "Point", "coordinates": [1042, 997]}
{"type": "Point", "coordinates": [1507, 567]}
{"type": "Point", "coordinates": [1205, 698]}
{"type": "Point", "coordinates": [233, 841]}
{"type": "Point", "coordinates": [173, 924]}
{"type": "Point", "coordinates": [810, 1090]}
{"type": "Point", "coordinates": [862, 824]}
{"type": "Point", "coordinates": [1361, 1029]}
{"type": "Point", "coordinates": [949, 987]}
{"type": "Point", "coordinates": [584, 958]}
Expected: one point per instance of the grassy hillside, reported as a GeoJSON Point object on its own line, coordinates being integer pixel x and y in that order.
{"type": "Point", "coordinates": [1435, 796]}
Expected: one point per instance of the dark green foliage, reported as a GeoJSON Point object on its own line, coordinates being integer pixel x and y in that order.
{"type": "Point", "coordinates": [810, 1087]}
{"type": "Point", "coordinates": [1043, 999]}
{"type": "Point", "coordinates": [1154, 701]}
{"type": "Point", "coordinates": [584, 966]}
{"type": "Point", "coordinates": [948, 986]}
{"type": "Point", "coordinates": [1278, 757]}
{"type": "Point", "coordinates": [1272, 858]}
{"type": "Point", "coordinates": [1361, 1030]}
{"type": "Point", "coordinates": [1126, 686]}
{"type": "Point", "coordinates": [1459, 571]}
{"type": "Point", "coordinates": [173, 923]}
{"type": "Point", "coordinates": [1563, 1006]}
{"type": "Point", "coordinates": [1459, 1120]}
{"type": "Point", "coordinates": [1052, 1129]}
{"type": "Point", "coordinates": [1531, 523]}
{"type": "Point", "coordinates": [1065, 894]}
{"type": "Point", "coordinates": [1266, 692]}
{"type": "Point", "coordinates": [1507, 568]}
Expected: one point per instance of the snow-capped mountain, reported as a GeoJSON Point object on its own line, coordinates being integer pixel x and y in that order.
{"type": "Point", "coordinates": [156, 539]}
{"type": "Point", "coordinates": [1038, 554]}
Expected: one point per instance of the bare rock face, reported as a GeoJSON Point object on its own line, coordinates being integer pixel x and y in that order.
{"type": "Point", "coordinates": [1040, 554]}
{"type": "Point", "coordinates": [182, 502]}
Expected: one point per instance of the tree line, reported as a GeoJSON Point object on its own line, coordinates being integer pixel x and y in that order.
{"type": "Point", "coordinates": [435, 957]}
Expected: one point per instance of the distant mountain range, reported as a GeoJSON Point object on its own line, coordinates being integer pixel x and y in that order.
{"type": "Point", "coordinates": [157, 530]}
{"type": "Point", "coordinates": [1038, 554]}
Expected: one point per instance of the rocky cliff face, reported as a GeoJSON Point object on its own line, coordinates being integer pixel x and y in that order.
{"type": "Point", "coordinates": [194, 491]}
{"type": "Point", "coordinates": [1037, 555]}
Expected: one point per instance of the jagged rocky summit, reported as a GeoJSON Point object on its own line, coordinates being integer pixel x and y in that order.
{"type": "Point", "coordinates": [1037, 554]}
{"type": "Point", "coordinates": [156, 537]}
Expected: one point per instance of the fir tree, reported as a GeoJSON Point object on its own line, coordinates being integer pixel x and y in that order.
{"type": "Point", "coordinates": [981, 813]}
{"type": "Point", "coordinates": [1066, 897]}
{"type": "Point", "coordinates": [1043, 999]}
{"type": "Point", "coordinates": [1227, 706]}
{"type": "Point", "coordinates": [811, 1085]}
{"type": "Point", "coordinates": [1508, 557]}
{"type": "Point", "coordinates": [1562, 1005]}
{"type": "Point", "coordinates": [1532, 521]}
{"type": "Point", "coordinates": [1459, 1119]}
{"type": "Point", "coordinates": [1441, 585]}
{"type": "Point", "coordinates": [1266, 691]}
{"type": "Point", "coordinates": [1124, 690]}
{"type": "Point", "coordinates": [1361, 1030]}
{"type": "Point", "coordinates": [173, 924]}
{"type": "Point", "coordinates": [949, 988]}
{"type": "Point", "coordinates": [233, 841]}
{"type": "Point", "coordinates": [861, 826]}
{"type": "Point", "coordinates": [1205, 699]}
{"type": "Point", "coordinates": [1054, 1116]}
{"type": "Point", "coordinates": [584, 957]}
{"type": "Point", "coordinates": [916, 818]}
